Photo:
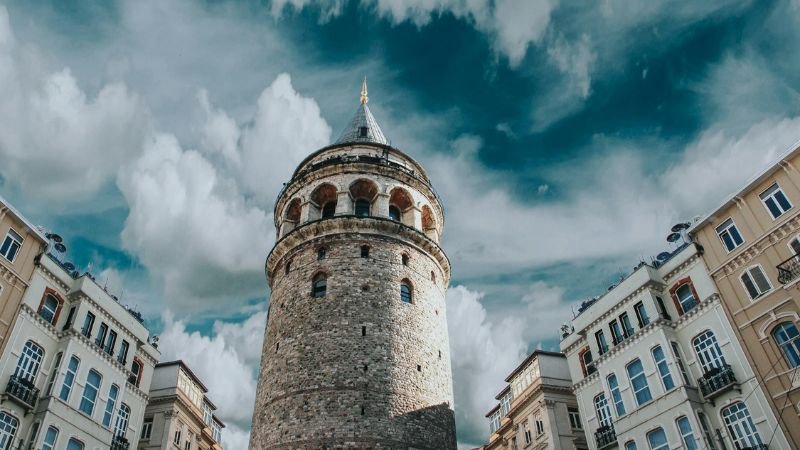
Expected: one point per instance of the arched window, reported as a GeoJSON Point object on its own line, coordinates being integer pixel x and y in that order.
{"type": "Point", "coordinates": [74, 444]}
{"type": "Point", "coordinates": [110, 405]}
{"type": "Point", "coordinates": [50, 438]}
{"type": "Point", "coordinates": [29, 361]}
{"type": "Point", "coordinates": [687, 434]}
{"type": "Point", "coordinates": [48, 309]}
{"type": "Point", "coordinates": [740, 426]}
{"type": "Point", "coordinates": [328, 209]}
{"type": "Point", "coordinates": [90, 390]}
{"type": "Point", "coordinates": [121, 427]}
{"type": "Point", "coordinates": [658, 439]}
{"type": "Point", "coordinates": [406, 293]}
{"type": "Point", "coordinates": [53, 373]}
{"type": "Point", "coordinates": [362, 207]}
{"type": "Point", "coordinates": [8, 428]}
{"type": "Point", "coordinates": [136, 369]}
{"type": "Point", "coordinates": [69, 378]}
{"type": "Point", "coordinates": [321, 253]}
{"type": "Point", "coordinates": [786, 336]}
{"type": "Point", "coordinates": [319, 285]}
{"type": "Point", "coordinates": [394, 213]}
{"type": "Point", "coordinates": [641, 390]}
{"type": "Point", "coordinates": [708, 351]}
{"type": "Point", "coordinates": [404, 259]}
{"type": "Point", "coordinates": [616, 396]}
{"type": "Point", "coordinates": [602, 410]}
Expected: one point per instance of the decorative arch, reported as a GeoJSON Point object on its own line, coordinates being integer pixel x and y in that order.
{"type": "Point", "coordinates": [324, 198]}
{"type": "Point", "coordinates": [406, 291]}
{"type": "Point", "coordinates": [765, 330]}
{"type": "Point", "coordinates": [400, 202]}
{"type": "Point", "coordinates": [293, 210]}
{"type": "Point", "coordinates": [363, 192]}
{"type": "Point", "coordinates": [319, 284]}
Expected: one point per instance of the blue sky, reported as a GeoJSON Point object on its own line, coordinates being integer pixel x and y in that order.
{"type": "Point", "coordinates": [564, 139]}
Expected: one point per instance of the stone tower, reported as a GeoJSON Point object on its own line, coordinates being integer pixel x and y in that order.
{"type": "Point", "coordinates": [356, 353]}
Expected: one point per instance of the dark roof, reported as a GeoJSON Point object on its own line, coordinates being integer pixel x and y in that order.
{"type": "Point", "coordinates": [530, 358]}
{"type": "Point", "coordinates": [362, 128]}
{"type": "Point", "coordinates": [179, 362]}
{"type": "Point", "coordinates": [492, 411]}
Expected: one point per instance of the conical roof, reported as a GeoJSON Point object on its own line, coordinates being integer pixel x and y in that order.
{"type": "Point", "coordinates": [363, 127]}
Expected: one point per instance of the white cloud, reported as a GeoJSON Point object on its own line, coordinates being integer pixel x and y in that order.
{"type": "Point", "coordinates": [57, 142]}
{"type": "Point", "coordinates": [232, 389]}
{"type": "Point", "coordinates": [245, 338]}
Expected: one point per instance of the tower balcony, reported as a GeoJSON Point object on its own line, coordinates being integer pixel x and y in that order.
{"type": "Point", "coordinates": [717, 381]}
{"type": "Point", "coordinates": [22, 391]}
{"type": "Point", "coordinates": [605, 437]}
{"type": "Point", "coordinates": [789, 270]}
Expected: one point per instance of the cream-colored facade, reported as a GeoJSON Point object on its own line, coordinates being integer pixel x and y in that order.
{"type": "Point", "coordinates": [179, 416]}
{"type": "Point", "coordinates": [537, 409]}
{"type": "Point", "coordinates": [751, 245]}
{"type": "Point", "coordinates": [21, 243]}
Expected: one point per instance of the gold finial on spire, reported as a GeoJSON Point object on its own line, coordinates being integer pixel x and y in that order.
{"type": "Point", "coordinates": [364, 98]}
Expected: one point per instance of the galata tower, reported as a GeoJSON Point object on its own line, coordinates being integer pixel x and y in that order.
{"type": "Point", "coordinates": [356, 354]}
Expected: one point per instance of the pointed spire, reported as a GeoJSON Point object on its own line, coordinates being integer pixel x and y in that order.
{"type": "Point", "coordinates": [363, 127]}
{"type": "Point", "coordinates": [364, 98]}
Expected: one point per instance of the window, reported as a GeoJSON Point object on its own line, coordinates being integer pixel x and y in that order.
{"type": "Point", "coordinates": [328, 209]}
{"type": "Point", "coordinates": [88, 324]}
{"type": "Point", "coordinates": [786, 336]}
{"type": "Point", "coordinates": [10, 248]}
{"type": "Point", "coordinates": [433, 277]}
{"type": "Point", "coordinates": [514, 445]}
{"type": "Point", "coordinates": [404, 259]}
{"type": "Point", "coordinates": [48, 309]}
{"type": "Point", "coordinates": [406, 293]}
{"type": "Point", "coordinates": [602, 345]}
{"type": "Point", "coordinates": [122, 358]}
{"type": "Point", "coordinates": [69, 378]}
{"type": "Point", "coordinates": [362, 207]}
{"type": "Point", "coordinates": [287, 268]}
{"type": "Point", "coordinates": [319, 286]}
{"type": "Point", "coordinates": [729, 235]}
{"type": "Point", "coordinates": [207, 414]}
{"type": "Point", "coordinates": [147, 428]}
{"type": "Point", "coordinates": [755, 282]}
{"type": "Point", "coordinates": [101, 334]}
{"type": "Point", "coordinates": [641, 314]}
{"type": "Point", "coordinates": [627, 327]}
{"type": "Point", "coordinates": [639, 382]}
{"type": "Point", "coordinates": [586, 362]}
{"type": "Point", "coordinates": [539, 426]}
{"type": "Point", "coordinates": [321, 253]}
{"type": "Point", "coordinates": [29, 361]}
{"type": "Point", "coordinates": [70, 318]}
{"type": "Point", "coordinates": [110, 405]}
{"type": "Point", "coordinates": [708, 351]}
{"type": "Point", "coordinates": [93, 381]}
{"type": "Point", "coordinates": [74, 444]}
{"type": "Point", "coordinates": [685, 430]}
{"type": "Point", "coordinates": [657, 439]}
{"type": "Point", "coordinates": [123, 414]}
{"type": "Point", "coordinates": [527, 431]}
{"type": "Point", "coordinates": [177, 438]}
{"type": "Point", "coordinates": [50, 438]}
{"type": "Point", "coordinates": [706, 430]}
{"type": "Point", "coordinates": [662, 309]}
{"type": "Point", "coordinates": [8, 428]}
{"type": "Point", "coordinates": [216, 432]}
{"type": "Point", "coordinates": [188, 443]}
{"type": "Point", "coordinates": [394, 213]}
{"type": "Point", "coordinates": [505, 404]}
{"type": "Point", "coordinates": [574, 418]}
{"type": "Point", "coordinates": [775, 201]}
{"type": "Point", "coordinates": [685, 296]}
{"type": "Point", "coordinates": [663, 368]}
{"type": "Point", "coordinates": [616, 332]}
{"type": "Point", "coordinates": [136, 370]}
{"type": "Point", "coordinates": [362, 131]}
{"type": "Point", "coordinates": [53, 373]}
{"type": "Point", "coordinates": [630, 445]}
{"type": "Point", "coordinates": [602, 410]}
{"type": "Point", "coordinates": [740, 426]}
{"type": "Point", "coordinates": [34, 432]}
{"type": "Point", "coordinates": [111, 342]}
{"type": "Point", "coordinates": [616, 396]}
{"type": "Point", "coordinates": [365, 251]}
{"type": "Point", "coordinates": [676, 351]}
{"type": "Point", "coordinates": [494, 422]}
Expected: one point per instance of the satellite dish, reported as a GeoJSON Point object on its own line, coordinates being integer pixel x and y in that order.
{"type": "Point", "coordinates": [678, 227]}
{"type": "Point", "coordinates": [69, 266]}
{"type": "Point", "coordinates": [663, 256]}
{"type": "Point", "coordinates": [61, 248]}
{"type": "Point", "coordinates": [612, 287]}
{"type": "Point", "coordinates": [54, 237]}
{"type": "Point", "coordinates": [674, 237]}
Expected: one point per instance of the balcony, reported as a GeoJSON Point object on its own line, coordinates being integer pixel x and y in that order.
{"type": "Point", "coordinates": [605, 437]}
{"type": "Point", "coordinates": [120, 443]}
{"type": "Point", "coordinates": [23, 392]}
{"type": "Point", "coordinates": [717, 381]}
{"type": "Point", "coordinates": [757, 447]}
{"type": "Point", "coordinates": [789, 270]}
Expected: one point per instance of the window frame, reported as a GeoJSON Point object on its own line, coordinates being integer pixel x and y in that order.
{"type": "Point", "coordinates": [8, 429]}
{"type": "Point", "coordinates": [111, 404]}
{"type": "Point", "coordinates": [602, 410]}
{"type": "Point", "coordinates": [359, 206]}
{"type": "Point", "coordinates": [616, 394]}
{"type": "Point", "coordinates": [59, 302]}
{"type": "Point", "coordinates": [748, 272]}
{"type": "Point", "coordinates": [662, 366]}
{"type": "Point", "coordinates": [600, 340]}
{"type": "Point", "coordinates": [723, 229]}
{"type": "Point", "coordinates": [646, 386]}
{"type": "Point", "coordinates": [48, 444]}
{"type": "Point", "coordinates": [406, 291]}
{"type": "Point", "coordinates": [18, 240]}
{"type": "Point", "coordinates": [657, 446]}
{"type": "Point", "coordinates": [30, 361]}
{"type": "Point", "coordinates": [627, 326]}
{"type": "Point", "coordinates": [574, 414]}
{"type": "Point", "coordinates": [708, 360]}
{"type": "Point", "coordinates": [792, 342]}
{"type": "Point", "coordinates": [88, 324]}
{"type": "Point", "coordinates": [751, 439]}
{"type": "Point", "coordinates": [687, 437]}
{"type": "Point", "coordinates": [319, 285]}
{"type": "Point", "coordinates": [617, 336]}
{"type": "Point", "coordinates": [86, 400]}
{"type": "Point", "coordinates": [641, 314]}
{"type": "Point", "coordinates": [769, 194]}
{"type": "Point", "coordinates": [676, 353]}
{"type": "Point", "coordinates": [123, 419]}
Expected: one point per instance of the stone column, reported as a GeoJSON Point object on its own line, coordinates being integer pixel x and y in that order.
{"type": "Point", "coordinates": [344, 204]}
{"type": "Point", "coordinates": [413, 217]}
{"type": "Point", "coordinates": [381, 205]}
{"type": "Point", "coordinates": [308, 212]}
{"type": "Point", "coordinates": [551, 427]}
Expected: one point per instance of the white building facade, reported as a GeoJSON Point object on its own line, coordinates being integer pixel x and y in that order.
{"type": "Point", "coordinates": [655, 365]}
{"type": "Point", "coordinates": [77, 367]}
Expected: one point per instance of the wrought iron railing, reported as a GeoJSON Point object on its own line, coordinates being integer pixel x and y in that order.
{"type": "Point", "coordinates": [757, 447]}
{"type": "Point", "coordinates": [605, 437]}
{"type": "Point", "coordinates": [717, 380]}
{"type": "Point", "coordinates": [23, 391]}
{"type": "Point", "coordinates": [120, 443]}
{"type": "Point", "coordinates": [789, 270]}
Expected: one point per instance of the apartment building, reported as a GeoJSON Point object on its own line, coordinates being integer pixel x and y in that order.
{"type": "Point", "coordinates": [537, 409]}
{"type": "Point", "coordinates": [655, 364]}
{"type": "Point", "coordinates": [77, 366]}
{"type": "Point", "coordinates": [180, 416]}
{"type": "Point", "coordinates": [751, 246]}
{"type": "Point", "coordinates": [22, 243]}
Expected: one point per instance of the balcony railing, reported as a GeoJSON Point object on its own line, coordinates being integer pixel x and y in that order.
{"type": "Point", "coordinates": [716, 381]}
{"type": "Point", "coordinates": [120, 443]}
{"type": "Point", "coordinates": [789, 270]}
{"type": "Point", "coordinates": [757, 447]}
{"type": "Point", "coordinates": [22, 391]}
{"type": "Point", "coordinates": [605, 437]}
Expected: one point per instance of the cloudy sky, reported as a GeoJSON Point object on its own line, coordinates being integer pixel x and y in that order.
{"type": "Point", "coordinates": [564, 139]}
